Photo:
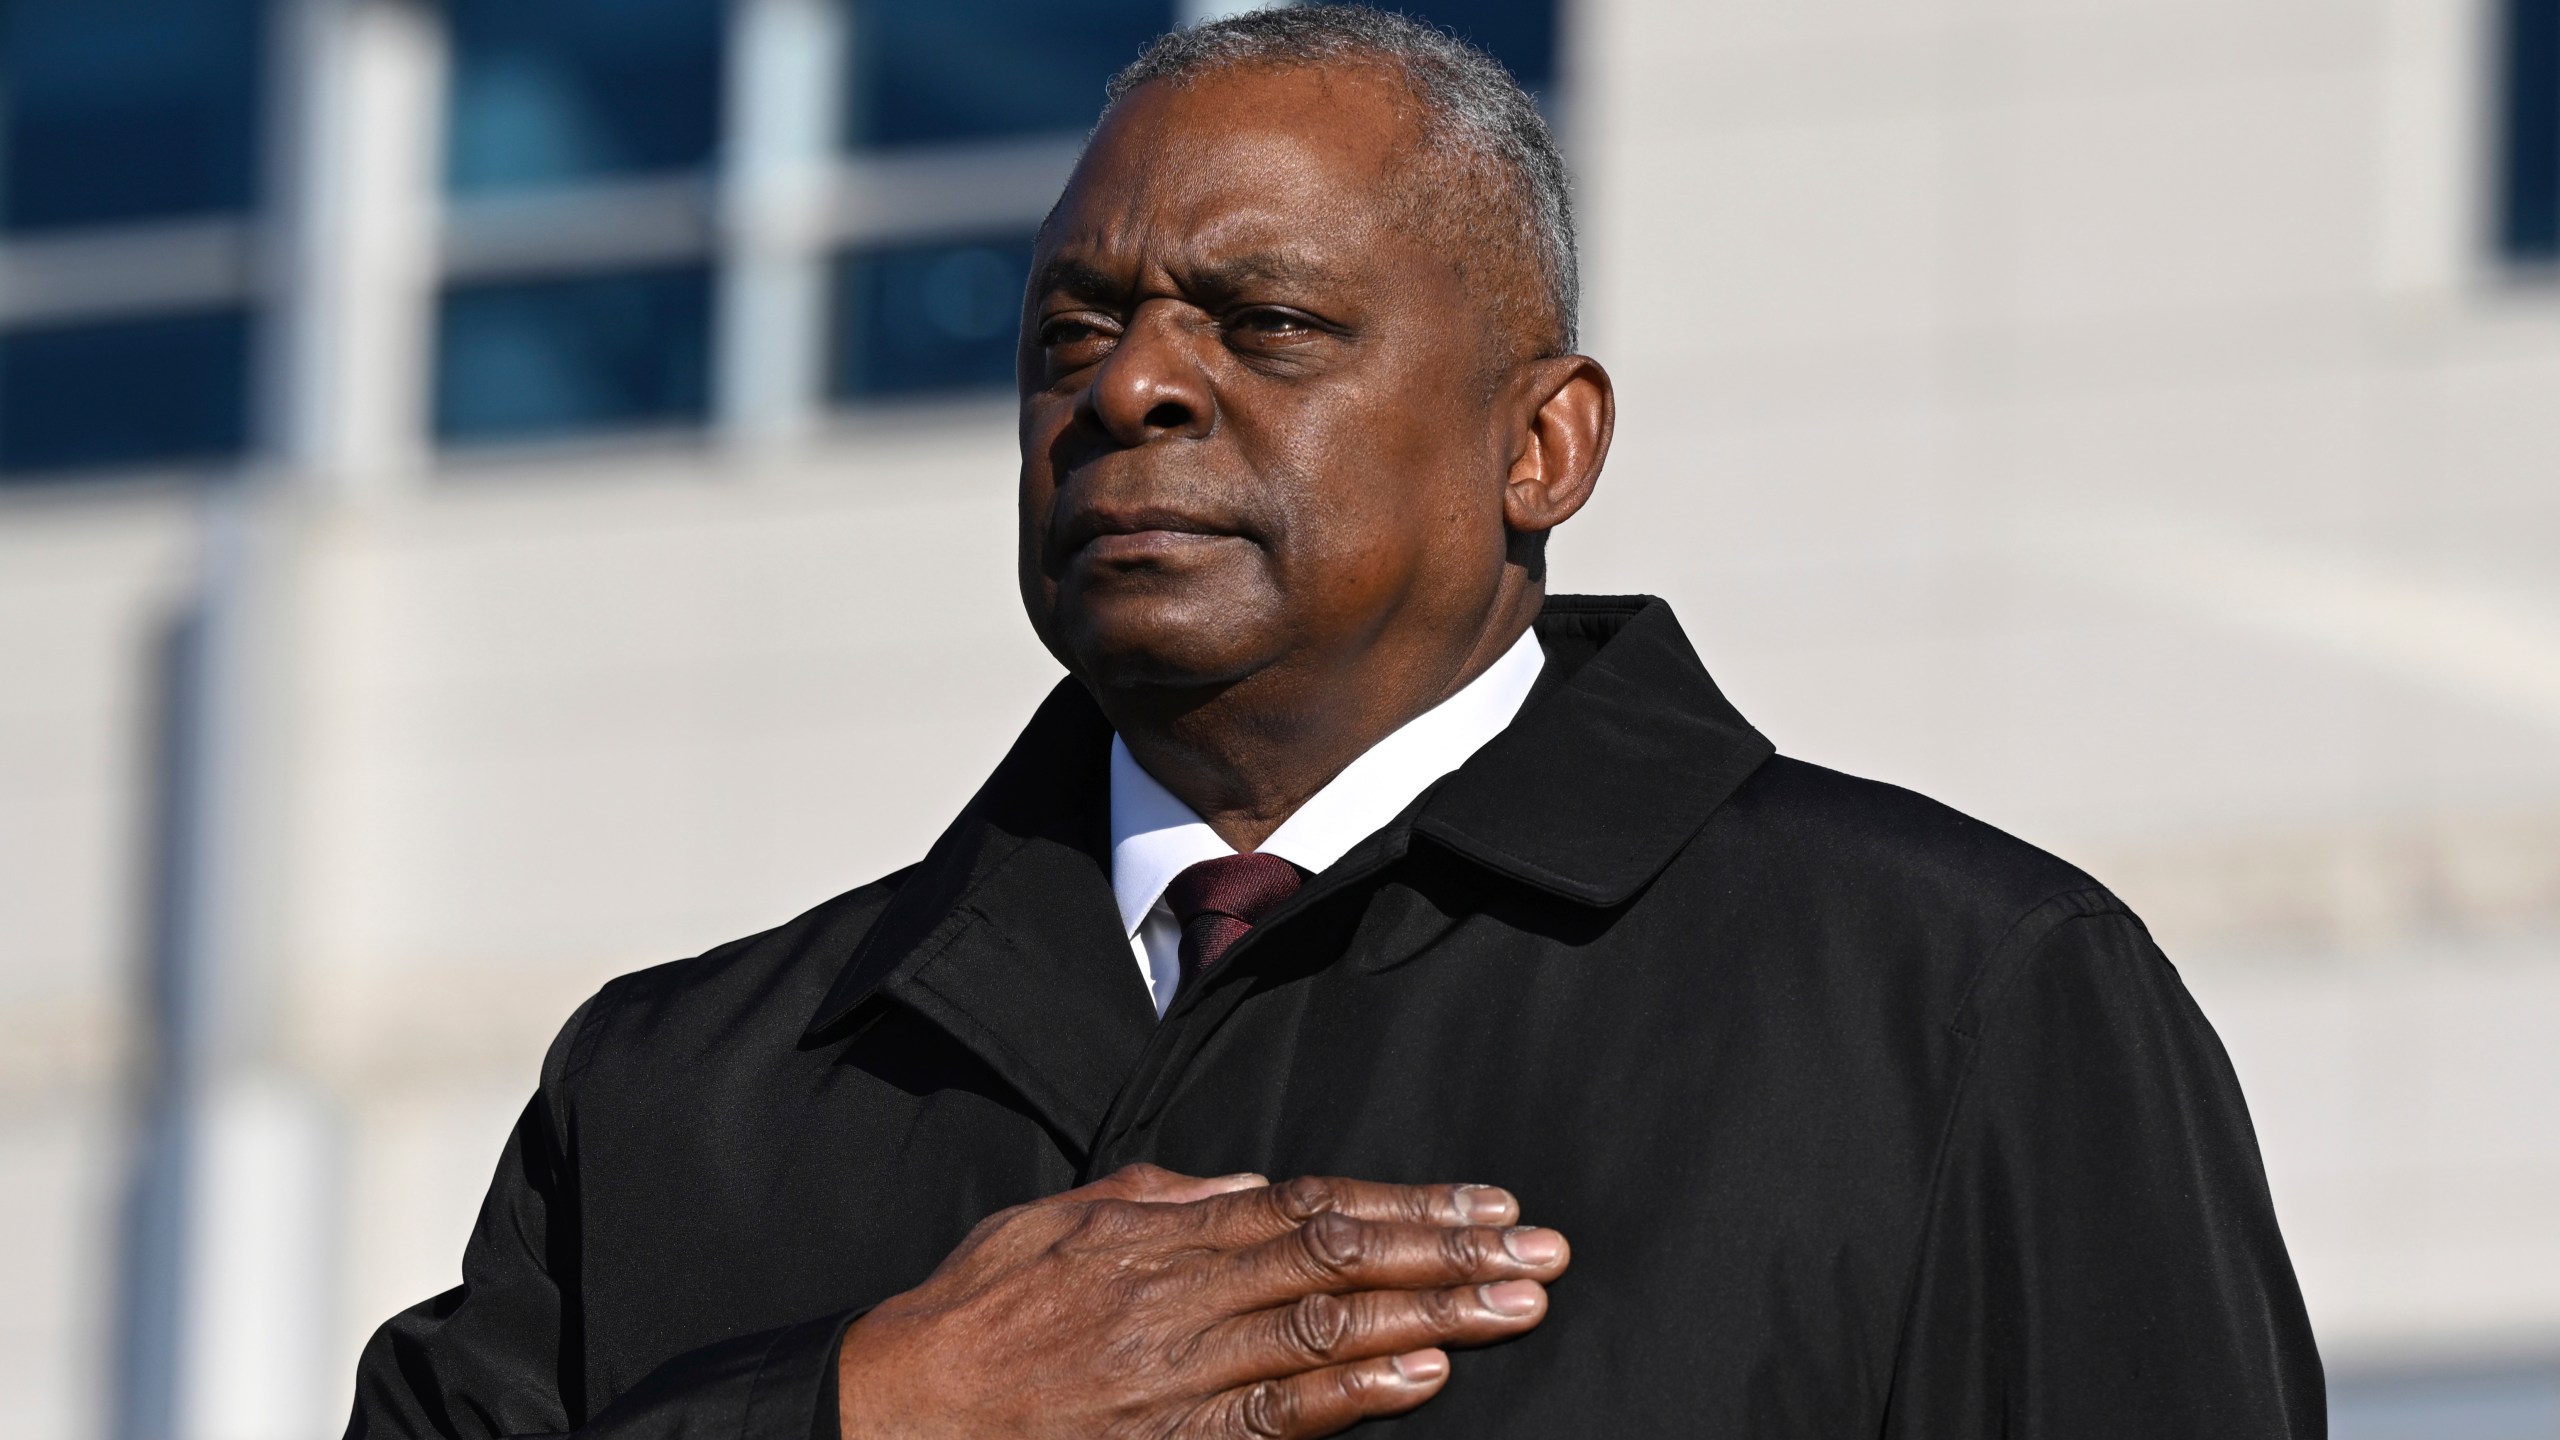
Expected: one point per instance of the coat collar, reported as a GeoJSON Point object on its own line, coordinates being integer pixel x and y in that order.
{"type": "Point", "coordinates": [1608, 771]}
{"type": "Point", "coordinates": [1007, 933]}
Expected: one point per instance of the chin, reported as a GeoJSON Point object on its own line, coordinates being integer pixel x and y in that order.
{"type": "Point", "coordinates": [1159, 641]}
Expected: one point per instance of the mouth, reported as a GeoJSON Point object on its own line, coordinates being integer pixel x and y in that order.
{"type": "Point", "coordinates": [1140, 536]}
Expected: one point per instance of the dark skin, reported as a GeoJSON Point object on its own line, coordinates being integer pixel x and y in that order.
{"type": "Point", "coordinates": [1281, 453]}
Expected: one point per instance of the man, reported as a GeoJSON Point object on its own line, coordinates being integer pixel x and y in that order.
{"type": "Point", "coordinates": [1346, 852]}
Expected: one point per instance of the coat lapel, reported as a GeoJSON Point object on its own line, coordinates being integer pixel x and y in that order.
{"type": "Point", "coordinates": [1006, 935]}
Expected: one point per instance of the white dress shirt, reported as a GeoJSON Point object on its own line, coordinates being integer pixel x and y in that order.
{"type": "Point", "coordinates": [1155, 837]}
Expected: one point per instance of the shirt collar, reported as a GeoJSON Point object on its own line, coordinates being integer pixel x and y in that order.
{"type": "Point", "coordinates": [1154, 836]}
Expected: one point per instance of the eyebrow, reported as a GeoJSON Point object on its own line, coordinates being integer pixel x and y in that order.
{"type": "Point", "coordinates": [1076, 278]}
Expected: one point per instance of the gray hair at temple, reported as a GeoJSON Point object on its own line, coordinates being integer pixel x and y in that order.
{"type": "Point", "coordinates": [1474, 116]}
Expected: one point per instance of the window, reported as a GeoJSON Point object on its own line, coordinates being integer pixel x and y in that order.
{"type": "Point", "coordinates": [551, 91]}
{"type": "Point", "coordinates": [115, 111]}
{"type": "Point", "coordinates": [927, 318]}
{"type": "Point", "coordinates": [2529, 189]}
{"type": "Point", "coordinates": [582, 243]}
{"type": "Point", "coordinates": [945, 70]}
{"type": "Point", "coordinates": [118, 114]}
{"type": "Point", "coordinates": [165, 390]}
{"type": "Point", "coordinates": [528, 359]}
{"type": "Point", "coordinates": [566, 337]}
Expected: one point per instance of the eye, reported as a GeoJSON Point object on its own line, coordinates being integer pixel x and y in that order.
{"type": "Point", "coordinates": [1270, 323]}
{"type": "Point", "coordinates": [1076, 339]}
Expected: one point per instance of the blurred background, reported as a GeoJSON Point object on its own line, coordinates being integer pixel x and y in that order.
{"type": "Point", "coordinates": [495, 493]}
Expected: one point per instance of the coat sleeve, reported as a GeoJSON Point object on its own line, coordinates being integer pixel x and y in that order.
{"type": "Point", "coordinates": [2101, 1258]}
{"type": "Point", "coordinates": [499, 1355]}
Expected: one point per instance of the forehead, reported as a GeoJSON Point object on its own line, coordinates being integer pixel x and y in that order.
{"type": "Point", "coordinates": [1265, 160]}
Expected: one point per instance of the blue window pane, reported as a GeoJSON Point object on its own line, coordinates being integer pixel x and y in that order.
{"type": "Point", "coordinates": [2529, 219]}
{"type": "Point", "coordinates": [167, 390]}
{"type": "Point", "coordinates": [928, 70]}
{"type": "Point", "coordinates": [916, 319]}
{"type": "Point", "coordinates": [533, 358]}
{"type": "Point", "coordinates": [125, 110]}
{"type": "Point", "coordinates": [546, 91]}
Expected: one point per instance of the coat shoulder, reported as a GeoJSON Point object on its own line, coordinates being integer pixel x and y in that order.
{"type": "Point", "coordinates": [1869, 837]}
{"type": "Point", "coordinates": [761, 987]}
{"type": "Point", "coordinates": [1893, 887]}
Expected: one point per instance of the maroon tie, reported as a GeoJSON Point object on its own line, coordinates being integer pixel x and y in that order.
{"type": "Point", "coordinates": [1217, 901]}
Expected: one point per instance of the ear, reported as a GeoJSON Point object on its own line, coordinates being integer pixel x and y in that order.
{"type": "Point", "coordinates": [1570, 411]}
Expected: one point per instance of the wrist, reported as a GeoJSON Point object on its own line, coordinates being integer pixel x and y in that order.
{"type": "Point", "coordinates": [868, 1405]}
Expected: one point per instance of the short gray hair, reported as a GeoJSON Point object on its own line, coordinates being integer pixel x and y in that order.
{"type": "Point", "coordinates": [1472, 108]}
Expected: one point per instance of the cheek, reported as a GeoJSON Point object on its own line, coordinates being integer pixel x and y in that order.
{"type": "Point", "coordinates": [1035, 499]}
{"type": "Point", "coordinates": [1383, 487]}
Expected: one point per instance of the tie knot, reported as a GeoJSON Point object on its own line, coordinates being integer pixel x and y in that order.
{"type": "Point", "coordinates": [1242, 887]}
{"type": "Point", "coordinates": [1217, 901]}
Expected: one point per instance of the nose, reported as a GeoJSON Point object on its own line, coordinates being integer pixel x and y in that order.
{"type": "Point", "coordinates": [1152, 385]}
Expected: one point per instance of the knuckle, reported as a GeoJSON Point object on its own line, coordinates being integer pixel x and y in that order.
{"type": "Point", "coordinates": [1334, 1244]}
{"type": "Point", "coordinates": [1304, 1198]}
{"type": "Point", "coordinates": [1445, 1312]}
{"type": "Point", "coordinates": [1317, 1326]}
{"type": "Point", "coordinates": [1268, 1411]}
{"type": "Point", "coordinates": [1470, 1250]}
{"type": "Point", "coordinates": [1426, 1204]}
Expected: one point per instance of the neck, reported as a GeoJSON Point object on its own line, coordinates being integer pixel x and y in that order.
{"type": "Point", "coordinates": [1245, 756]}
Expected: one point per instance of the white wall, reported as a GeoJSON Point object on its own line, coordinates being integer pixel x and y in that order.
{"type": "Point", "coordinates": [83, 590]}
{"type": "Point", "coordinates": [2101, 416]}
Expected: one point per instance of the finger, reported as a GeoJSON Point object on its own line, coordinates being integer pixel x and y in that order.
{"type": "Point", "coordinates": [1323, 1402]}
{"type": "Point", "coordinates": [1155, 1185]}
{"type": "Point", "coordinates": [1336, 1254]}
{"type": "Point", "coordinates": [1321, 1330]}
{"type": "Point", "coordinates": [1247, 1217]}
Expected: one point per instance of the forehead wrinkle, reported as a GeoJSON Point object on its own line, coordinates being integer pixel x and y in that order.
{"type": "Point", "coordinates": [1221, 237]}
{"type": "Point", "coordinates": [1268, 267]}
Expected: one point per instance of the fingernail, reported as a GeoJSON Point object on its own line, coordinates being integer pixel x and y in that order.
{"type": "Point", "coordinates": [1532, 1246]}
{"type": "Point", "coordinates": [1421, 1365]}
{"type": "Point", "coordinates": [1244, 1180]}
{"type": "Point", "coordinates": [1510, 1297]}
{"type": "Point", "coordinates": [1485, 1205]}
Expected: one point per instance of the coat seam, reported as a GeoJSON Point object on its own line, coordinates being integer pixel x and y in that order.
{"type": "Point", "coordinates": [586, 1028]}
{"type": "Point", "coordinates": [755, 1383]}
{"type": "Point", "coordinates": [1957, 1020]}
{"type": "Point", "coordinates": [1964, 1091]}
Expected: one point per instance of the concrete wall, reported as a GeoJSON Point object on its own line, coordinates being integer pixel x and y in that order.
{"type": "Point", "coordinates": [2102, 416]}
{"type": "Point", "coordinates": [2098, 415]}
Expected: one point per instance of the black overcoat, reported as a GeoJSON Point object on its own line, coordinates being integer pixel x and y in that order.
{"type": "Point", "coordinates": [1864, 1118]}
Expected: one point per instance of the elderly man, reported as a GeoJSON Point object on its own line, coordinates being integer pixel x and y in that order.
{"type": "Point", "coordinates": [1346, 852]}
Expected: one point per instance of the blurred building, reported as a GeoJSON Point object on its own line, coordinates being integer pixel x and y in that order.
{"type": "Point", "coordinates": [494, 494]}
